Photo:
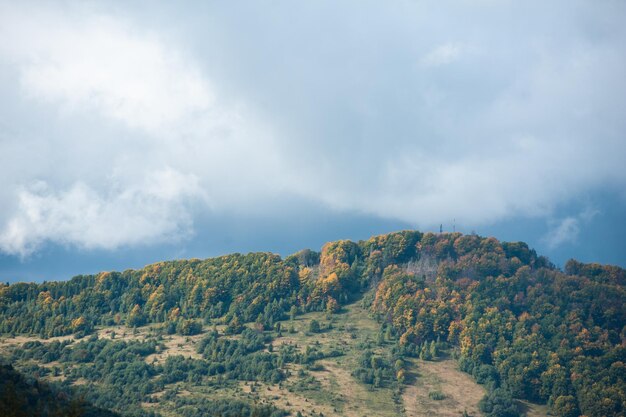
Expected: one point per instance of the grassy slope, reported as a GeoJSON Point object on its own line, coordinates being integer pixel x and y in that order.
{"type": "Point", "coordinates": [331, 390]}
{"type": "Point", "coordinates": [461, 392]}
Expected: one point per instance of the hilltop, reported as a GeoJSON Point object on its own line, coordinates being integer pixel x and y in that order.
{"type": "Point", "coordinates": [387, 326]}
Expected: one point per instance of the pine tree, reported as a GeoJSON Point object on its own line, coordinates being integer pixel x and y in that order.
{"type": "Point", "coordinates": [434, 352]}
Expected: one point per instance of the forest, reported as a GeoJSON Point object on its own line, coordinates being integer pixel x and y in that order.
{"type": "Point", "coordinates": [521, 327]}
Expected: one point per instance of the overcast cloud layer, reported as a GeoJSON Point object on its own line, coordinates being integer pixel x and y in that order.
{"type": "Point", "coordinates": [124, 126]}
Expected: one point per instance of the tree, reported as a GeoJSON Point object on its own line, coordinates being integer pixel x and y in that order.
{"type": "Point", "coordinates": [565, 406]}
{"type": "Point", "coordinates": [388, 334]}
{"type": "Point", "coordinates": [314, 326]}
{"type": "Point", "coordinates": [498, 403]}
{"type": "Point", "coordinates": [189, 327]}
{"type": "Point", "coordinates": [401, 376]}
{"type": "Point", "coordinates": [434, 352]}
{"type": "Point", "coordinates": [135, 317]}
{"type": "Point", "coordinates": [234, 326]}
{"type": "Point", "coordinates": [332, 306]}
{"type": "Point", "coordinates": [79, 324]}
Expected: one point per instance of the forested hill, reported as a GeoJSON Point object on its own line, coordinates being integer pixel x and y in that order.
{"type": "Point", "coordinates": [518, 325]}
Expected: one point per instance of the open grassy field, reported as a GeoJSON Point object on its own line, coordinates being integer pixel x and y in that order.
{"type": "Point", "coordinates": [458, 391]}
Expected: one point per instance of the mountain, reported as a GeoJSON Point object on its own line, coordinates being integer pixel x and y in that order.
{"type": "Point", "coordinates": [203, 337]}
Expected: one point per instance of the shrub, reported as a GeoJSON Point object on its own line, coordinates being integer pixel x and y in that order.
{"type": "Point", "coordinates": [436, 395]}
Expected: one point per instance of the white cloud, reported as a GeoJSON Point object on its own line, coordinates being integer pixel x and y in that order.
{"type": "Point", "coordinates": [81, 61]}
{"type": "Point", "coordinates": [145, 213]}
{"type": "Point", "coordinates": [442, 55]}
{"type": "Point", "coordinates": [566, 231]}
{"type": "Point", "coordinates": [157, 138]}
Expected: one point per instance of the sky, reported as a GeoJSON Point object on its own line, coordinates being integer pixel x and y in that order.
{"type": "Point", "coordinates": [139, 131]}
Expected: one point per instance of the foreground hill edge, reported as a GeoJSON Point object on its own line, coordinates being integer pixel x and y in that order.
{"type": "Point", "coordinates": [521, 327]}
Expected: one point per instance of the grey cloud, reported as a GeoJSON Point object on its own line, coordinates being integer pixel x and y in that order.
{"type": "Point", "coordinates": [414, 111]}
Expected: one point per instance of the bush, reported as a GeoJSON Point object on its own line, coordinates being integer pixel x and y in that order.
{"type": "Point", "coordinates": [189, 327]}
{"type": "Point", "coordinates": [436, 395]}
{"type": "Point", "coordinates": [314, 326]}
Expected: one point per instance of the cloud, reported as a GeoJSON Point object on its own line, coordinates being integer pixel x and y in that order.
{"type": "Point", "coordinates": [566, 231]}
{"type": "Point", "coordinates": [118, 106]}
{"type": "Point", "coordinates": [83, 61]}
{"type": "Point", "coordinates": [135, 135]}
{"type": "Point", "coordinates": [524, 123]}
{"type": "Point", "coordinates": [146, 213]}
{"type": "Point", "coordinates": [442, 55]}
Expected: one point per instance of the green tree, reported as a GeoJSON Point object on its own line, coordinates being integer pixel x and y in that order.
{"type": "Point", "coordinates": [135, 317]}
{"type": "Point", "coordinates": [565, 406]}
{"type": "Point", "coordinates": [314, 326]}
{"type": "Point", "coordinates": [234, 326]}
{"type": "Point", "coordinates": [434, 352]}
